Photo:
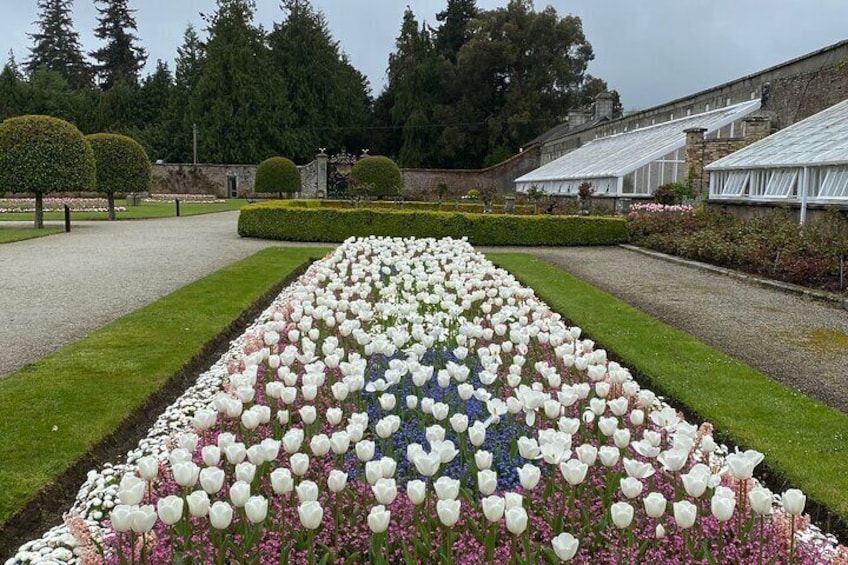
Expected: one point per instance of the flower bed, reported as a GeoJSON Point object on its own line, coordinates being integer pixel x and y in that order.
{"type": "Point", "coordinates": [27, 205]}
{"type": "Point", "coordinates": [204, 198]}
{"type": "Point", "coordinates": [405, 402]}
{"type": "Point", "coordinates": [772, 245]}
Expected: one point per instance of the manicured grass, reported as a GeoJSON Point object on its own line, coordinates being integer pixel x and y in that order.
{"type": "Point", "coordinates": [804, 440]}
{"type": "Point", "coordinates": [87, 388]}
{"type": "Point", "coordinates": [143, 211]}
{"type": "Point", "coordinates": [8, 235]}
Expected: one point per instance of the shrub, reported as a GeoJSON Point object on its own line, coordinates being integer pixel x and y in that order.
{"type": "Point", "coordinates": [292, 222]}
{"type": "Point", "coordinates": [122, 166]}
{"type": "Point", "coordinates": [279, 175]}
{"type": "Point", "coordinates": [472, 194]}
{"type": "Point", "coordinates": [672, 193]}
{"type": "Point", "coordinates": [40, 155]}
{"type": "Point", "coordinates": [377, 176]}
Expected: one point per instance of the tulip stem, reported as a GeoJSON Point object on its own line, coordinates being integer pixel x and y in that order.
{"type": "Point", "coordinates": [792, 540]}
{"type": "Point", "coordinates": [762, 534]}
{"type": "Point", "coordinates": [311, 542]}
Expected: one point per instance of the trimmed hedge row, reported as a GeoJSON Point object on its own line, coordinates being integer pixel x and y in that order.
{"type": "Point", "coordinates": [283, 221]}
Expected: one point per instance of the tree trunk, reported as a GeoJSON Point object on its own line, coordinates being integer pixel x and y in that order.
{"type": "Point", "coordinates": [39, 211]}
{"type": "Point", "coordinates": [111, 199]}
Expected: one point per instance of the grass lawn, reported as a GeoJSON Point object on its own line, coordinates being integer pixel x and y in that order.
{"type": "Point", "coordinates": [143, 211]}
{"type": "Point", "coordinates": [8, 235]}
{"type": "Point", "coordinates": [804, 441]}
{"type": "Point", "coordinates": [87, 388]}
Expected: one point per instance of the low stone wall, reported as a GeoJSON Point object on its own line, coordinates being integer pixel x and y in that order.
{"type": "Point", "coordinates": [501, 176]}
{"type": "Point", "coordinates": [752, 209]}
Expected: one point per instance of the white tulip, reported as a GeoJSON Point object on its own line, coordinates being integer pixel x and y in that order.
{"type": "Point", "coordinates": [565, 546]}
{"type": "Point", "coordinates": [416, 491]}
{"type": "Point", "coordinates": [378, 519]}
{"type": "Point", "coordinates": [516, 520]}
{"type": "Point", "coordinates": [256, 509]}
{"type": "Point", "coordinates": [448, 512]}
{"type": "Point", "coordinates": [198, 503]}
{"type": "Point", "coordinates": [493, 508]}
{"type": "Point", "coordinates": [622, 515]}
{"type": "Point", "coordinates": [306, 491]}
{"type": "Point", "coordinates": [685, 514]}
{"type": "Point", "coordinates": [336, 481]}
{"type": "Point", "coordinates": [170, 509]}
{"type": "Point", "coordinates": [239, 493]}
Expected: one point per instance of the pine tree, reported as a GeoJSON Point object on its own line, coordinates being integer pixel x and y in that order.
{"type": "Point", "coordinates": [329, 98]}
{"type": "Point", "coordinates": [181, 113]}
{"type": "Point", "coordinates": [56, 46]}
{"type": "Point", "coordinates": [245, 104]}
{"type": "Point", "coordinates": [455, 30]}
{"type": "Point", "coordinates": [121, 58]}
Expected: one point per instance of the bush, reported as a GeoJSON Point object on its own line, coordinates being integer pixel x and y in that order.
{"type": "Point", "coordinates": [40, 155]}
{"type": "Point", "coordinates": [289, 221]}
{"type": "Point", "coordinates": [122, 166]}
{"type": "Point", "coordinates": [672, 193]}
{"type": "Point", "coordinates": [377, 176]}
{"type": "Point", "coordinates": [279, 175]}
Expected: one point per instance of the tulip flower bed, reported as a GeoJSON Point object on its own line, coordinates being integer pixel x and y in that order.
{"type": "Point", "coordinates": [407, 402]}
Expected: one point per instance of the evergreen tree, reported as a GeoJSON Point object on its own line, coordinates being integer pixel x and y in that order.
{"type": "Point", "coordinates": [181, 113]}
{"type": "Point", "coordinates": [121, 58]}
{"type": "Point", "coordinates": [13, 93]}
{"type": "Point", "coordinates": [455, 30]}
{"type": "Point", "coordinates": [329, 98]}
{"type": "Point", "coordinates": [56, 46]}
{"type": "Point", "coordinates": [245, 103]}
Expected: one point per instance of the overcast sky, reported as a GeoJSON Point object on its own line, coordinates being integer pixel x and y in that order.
{"type": "Point", "coordinates": [651, 51]}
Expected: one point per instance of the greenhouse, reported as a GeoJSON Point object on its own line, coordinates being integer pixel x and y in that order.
{"type": "Point", "coordinates": [634, 163]}
{"type": "Point", "coordinates": [804, 163]}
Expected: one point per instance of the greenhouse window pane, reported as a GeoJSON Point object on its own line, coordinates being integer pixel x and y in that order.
{"type": "Point", "coordinates": [780, 184]}
{"type": "Point", "coordinates": [835, 184]}
{"type": "Point", "coordinates": [734, 184]}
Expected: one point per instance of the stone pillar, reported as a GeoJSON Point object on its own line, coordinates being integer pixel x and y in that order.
{"type": "Point", "coordinates": [755, 128]}
{"type": "Point", "coordinates": [603, 106]}
{"type": "Point", "coordinates": [321, 170]}
{"type": "Point", "coordinates": [695, 160]}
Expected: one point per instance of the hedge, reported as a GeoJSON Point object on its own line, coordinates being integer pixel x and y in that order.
{"type": "Point", "coordinates": [434, 206]}
{"type": "Point", "coordinates": [287, 222]}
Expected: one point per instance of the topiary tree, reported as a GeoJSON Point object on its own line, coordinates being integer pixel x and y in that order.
{"type": "Point", "coordinates": [279, 175]}
{"type": "Point", "coordinates": [376, 176]}
{"type": "Point", "coordinates": [41, 154]}
{"type": "Point", "coordinates": [122, 166]}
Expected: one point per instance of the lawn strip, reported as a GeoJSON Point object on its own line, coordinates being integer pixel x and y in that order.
{"type": "Point", "coordinates": [805, 442]}
{"type": "Point", "coordinates": [103, 392]}
{"type": "Point", "coordinates": [9, 235]}
{"type": "Point", "coordinates": [143, 211]}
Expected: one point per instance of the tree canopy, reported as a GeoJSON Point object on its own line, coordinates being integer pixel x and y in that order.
{"type": "Point", "coordinates": [464, 93]}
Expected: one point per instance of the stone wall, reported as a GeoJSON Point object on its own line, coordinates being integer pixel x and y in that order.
{"type": "Point", "coordinates": [502, 176]}
{"type": "Point", "coordinates": [790, 92]}
{"type": "Point", "coordinates": [185, 178]}
{"type": "Point", "coordinates": [700, 152]}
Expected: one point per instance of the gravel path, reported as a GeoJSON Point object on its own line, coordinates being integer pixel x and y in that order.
{"type": "Point", "coordinates": [56, 289]}
{"type": "Point", "coordinates": [800, 342]}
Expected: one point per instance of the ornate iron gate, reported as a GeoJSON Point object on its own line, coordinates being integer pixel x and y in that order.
{"type": "Point", "coordinates": [338, 173]}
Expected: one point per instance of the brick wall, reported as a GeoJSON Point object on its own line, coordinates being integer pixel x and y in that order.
{"type": "Point", "coordinates": [701, 152]}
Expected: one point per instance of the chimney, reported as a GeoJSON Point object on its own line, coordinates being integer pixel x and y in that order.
{"type": "Point", "coordinates": [603, 106]}
{"type": "Point", "coordinates": [754, 128]}
{"type": "Point", "coordinates": [576, 118]}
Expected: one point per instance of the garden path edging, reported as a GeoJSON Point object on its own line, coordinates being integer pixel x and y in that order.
{"type": "Point", "coordinates": [790, 288]}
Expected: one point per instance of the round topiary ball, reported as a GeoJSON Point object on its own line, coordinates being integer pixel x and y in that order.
{"type": "Point", "coordinates": [41, 154]}
{"type": "Point", "coordinates": [377, 176]}
{"type": "Point", "coordinates": [279, 175]}
{"type": "Point", "coordinates": [122, 164]}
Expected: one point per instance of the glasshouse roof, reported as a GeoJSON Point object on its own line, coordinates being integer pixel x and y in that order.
{"type": "Point", "coordinates": [821, 139]}
{"type": "Point", "coordinates": [620, 154]}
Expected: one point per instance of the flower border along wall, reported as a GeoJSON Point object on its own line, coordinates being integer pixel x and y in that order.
{"type": "Point", "coordinates": [406, 402]}
{"type": "Point", "coordinates": [299, 221]}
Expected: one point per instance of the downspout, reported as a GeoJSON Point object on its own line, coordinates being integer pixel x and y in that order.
{"type": "Point", "coordinates": [805, 184]}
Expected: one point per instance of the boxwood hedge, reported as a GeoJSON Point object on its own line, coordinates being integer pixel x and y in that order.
{"type": "Point", "coordinates": [299, 222]}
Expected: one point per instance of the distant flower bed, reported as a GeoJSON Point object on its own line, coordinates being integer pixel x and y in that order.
{"type": "Point", "coordinates": [204, 198]}
{"type": "Point", "coordinates": [407, 402]}
{"type": "Point", "coordinates": [773, 245]}
{"type": "Point", "coordinates": [638, 209]}
{"type": "Point", "coordinates": [27, 205]}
